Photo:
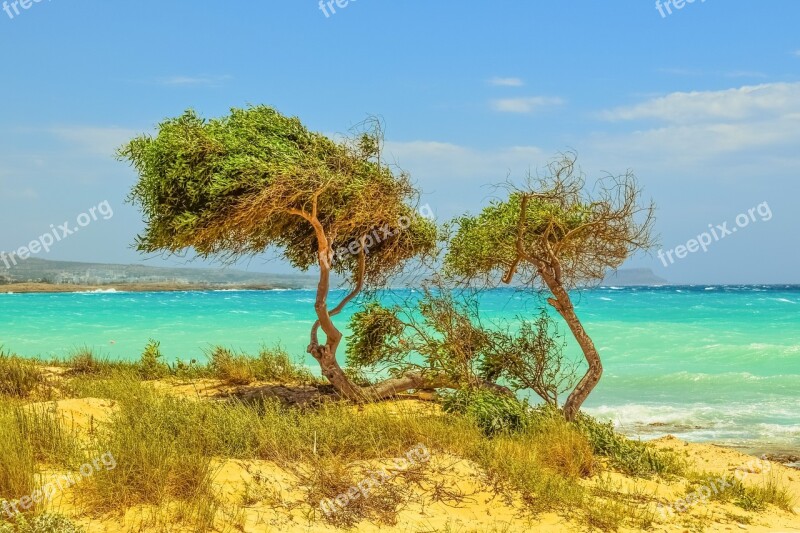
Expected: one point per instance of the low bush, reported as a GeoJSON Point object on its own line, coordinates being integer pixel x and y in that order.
{"type": "Point", "coordinates": [19, 378]}
{"type": "Point", "coordinates": [494, 413]}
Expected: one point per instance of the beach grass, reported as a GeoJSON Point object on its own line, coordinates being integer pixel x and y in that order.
{"type": "Point", "coordinates": [170, 447]}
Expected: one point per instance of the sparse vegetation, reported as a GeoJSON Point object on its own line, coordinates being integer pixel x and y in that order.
{"type": "Point", "coordinates": [170, 450]}
{"type": "Point", "coordinates": [271, 365]}
{"type": "Point", "coordinates": [43, 523]}
{"type": "Point", "coordinates": [753, 498]}
{"type": "Point", "coordinates": [19, 378]}
{"type": "Point", "coordinates": [628, 456]}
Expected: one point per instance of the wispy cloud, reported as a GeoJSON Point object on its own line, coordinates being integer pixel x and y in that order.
{"type": "Point", "coordinates": [524, 105]}
{"type": "Point", "coordinates": [506, 82]}
{"type": "Point", "coordinates": [677, 71]}
{"type": "Point", "coordinates": [797, 53]}
{"type": "Point", "coordinates": [747, 102]}
{"type": "Point", "coordinates": [673, 71]}
{"type": "Point", "coordinates": [440, 163]}
{"type": "Point", "coordinates": [745, 127]}
{"type": "Point", "coordinates": [207, 81]}
{"type": "Point", "coordinates": [744, 74]}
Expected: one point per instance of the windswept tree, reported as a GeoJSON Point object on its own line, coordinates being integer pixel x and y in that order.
{"type": "Point", "coordinates": [557, 234]}
{"type": "Point", "coordinates": [255, 180]}
{"type": "Point", "coordinates": [440, 334]}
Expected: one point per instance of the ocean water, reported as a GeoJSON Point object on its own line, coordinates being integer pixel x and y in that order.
{"type": "Point", "coordinates": [715, 364]}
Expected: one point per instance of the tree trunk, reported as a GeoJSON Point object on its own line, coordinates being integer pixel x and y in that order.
{"type": "Point", "coordinates": [422, 380]}
{"type": "Point", "coordinates": [325, 354]}
{"type": "Point", "coordinates": [563, 304]}
{"type": "Point", "coordinates": [326, 357]}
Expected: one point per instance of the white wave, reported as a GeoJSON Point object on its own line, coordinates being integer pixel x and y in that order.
{"type": "Point", "coordinates": [99, 291]}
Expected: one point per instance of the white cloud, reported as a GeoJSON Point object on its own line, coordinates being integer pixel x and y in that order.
{"type": "Point", "coordinates": [96, 140]}
{"type": "Point", "coordinates": [746, 130]}
{"type": "Point", "coordinates": [456, 178]}
{"type": "Point", "coordinates": [441, 162]}
{"type": "Point", "coordinates": [744, 74]}
{"type": "Point", "coordinates": [506, 82]}
{"type": "Point", "coordinates": [524, 105]}
{"type": "Point", "coordinates": [674, 71]}
{"type": "Point", "coordinates": [696, 73]}
{"type": "Point", "coordinates": [739, 104]}
{"type": "Point", "coordinates": [208, 81]}
{"type": "Point", "coordinates": [797, 53]}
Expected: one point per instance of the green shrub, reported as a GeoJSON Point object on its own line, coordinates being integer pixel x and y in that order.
{"type": "Point", "coordinates": [83, 361]}
{"type": "Point", "coordinates": [43, 523]}
{"type": "Point", "coordinates": [753, 498]}
{"type": "Point", "coordinates": [275, 364]}
{"type": "Point", "coordinates": [232, 368]}
{"type": "Point", "coordinates": [150, 365]}
{"type": "Point", "coordinates": [272, 364]}
{"type": "Point", "coordinates": [629, 456]}
{"type": "Point", "coordinates": [494, 413]}
{"type": "Point", "coordinates": [158, 443]}
{"type": "Point", "coordinates": [18, 377]}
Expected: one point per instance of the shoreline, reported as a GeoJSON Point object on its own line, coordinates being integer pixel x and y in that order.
{"type": "Point", "coordinates": [49, 288]}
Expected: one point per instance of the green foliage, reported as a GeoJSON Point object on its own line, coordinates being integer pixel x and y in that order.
{"type": "Point", "coordinates": [239, 184]}
{"type": "Point", "coordinates": [272, 364]}
{"type": "Point", "coordinates": [150, 365]}
{"type": "Point", "coordinates": [443, 330]}
{"type": "Point", "coordinates": [446, 332]}
{"type": "Point", "coordinates": [628, 456]}
{"type": "Point", "coordinates": [152, 440]}
{"type": "Point", "coordinates": [750, 497]}
{"type": "Point", "coordinates": [83, 361]}
{"type": "Point", "coordinates": [494, 413]}
{"type": "Point", "coordinates": [574, 232]}
{"type": "Point", "coordinates": [375, 332]}
{"type": "Point", "coordinates": [486, 244]}
{"type": "Point", "coordinates": [19, 378]}
{"type": "Point", "coordinates": [530, 358]}
{"type": "Point", "coordinates": [43, 523]}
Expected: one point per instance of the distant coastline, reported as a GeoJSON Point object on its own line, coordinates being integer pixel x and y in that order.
{"type": "Point", "coordinates": [32, 288]}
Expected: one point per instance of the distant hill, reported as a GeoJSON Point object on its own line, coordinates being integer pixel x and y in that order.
{"type": "Point", "coordinates": [627, 277]}
{"type": "Point", "coordinates": [36, 270]}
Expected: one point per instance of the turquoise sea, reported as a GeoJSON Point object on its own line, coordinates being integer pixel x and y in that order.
{"type": "Point", "coordinates": [702, 363]}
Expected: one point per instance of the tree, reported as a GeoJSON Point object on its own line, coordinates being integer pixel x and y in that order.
{"type": "Point", "coordinates": [442, 334]}
{"type": "Point", "coordinates": [253, 180]}
{"type": "Point", "coordinates": [553, 233]}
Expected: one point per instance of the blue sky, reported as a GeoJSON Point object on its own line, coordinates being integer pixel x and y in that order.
{"type": "Point", "coordinates": [703, 105]}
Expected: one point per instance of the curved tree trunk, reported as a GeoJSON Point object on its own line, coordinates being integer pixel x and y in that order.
{"type": "Point", "coordinates": [563, 304]}
{"type": "Point", "coordinates": [325, 354]}
{"type": "Point", "coordinates": [549, 268]}
{"type": "Point", "coordinates": [422, 380]}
